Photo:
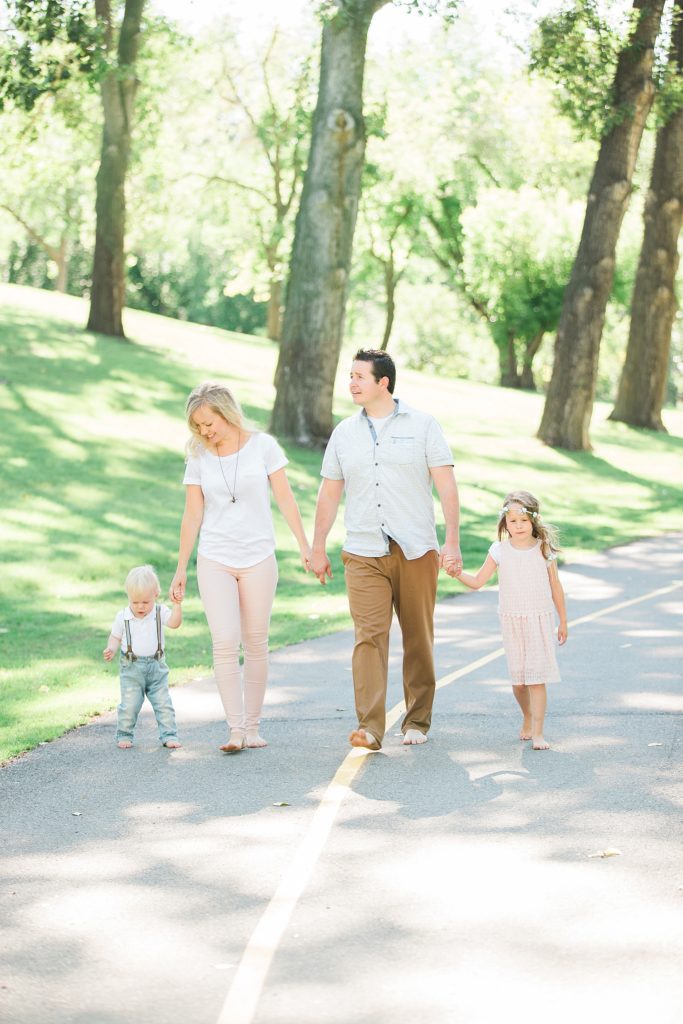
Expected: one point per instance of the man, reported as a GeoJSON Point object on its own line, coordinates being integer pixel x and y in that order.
{"type": "Point", "coordinates": [386, 458]}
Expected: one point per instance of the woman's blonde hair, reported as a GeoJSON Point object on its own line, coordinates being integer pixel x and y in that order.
{"type": "Point", "coordinates": [530, 506]}
{"type": "Point", "coordinates": [141, 579]}
{"type": "Point", "coordinates": [220, 400]}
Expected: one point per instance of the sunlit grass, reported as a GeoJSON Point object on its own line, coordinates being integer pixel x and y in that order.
{"type": "Point", "coordinates": [92, 450]}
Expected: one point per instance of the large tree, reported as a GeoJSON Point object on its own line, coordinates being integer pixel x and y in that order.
{"type": "Point", "coordinates": [319, 271]}
{"type": "Point", "coordinates": [642, 385]}
{"type": "Point", "coordinates": [569, 402]}
{"type": "Point", "coordinates": [118, 86]}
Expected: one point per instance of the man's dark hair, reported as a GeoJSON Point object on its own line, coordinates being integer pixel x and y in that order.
{"type": "Point", "coordinates": [382, 365]}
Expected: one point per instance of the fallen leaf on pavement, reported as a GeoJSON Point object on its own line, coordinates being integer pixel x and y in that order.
{"type": "Point", "coordinates": [611, 851]}
{"type": "Point", "coordinates": [282, 803]}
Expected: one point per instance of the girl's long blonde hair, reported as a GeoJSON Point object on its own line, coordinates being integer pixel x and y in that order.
{"type": "Point", "coordinates": [219, 399]}
{"type": "Point", "coordinates": [549, 535]}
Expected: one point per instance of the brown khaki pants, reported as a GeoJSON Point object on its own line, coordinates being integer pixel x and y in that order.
{"type": "Point", "coordinates": [376, 586]}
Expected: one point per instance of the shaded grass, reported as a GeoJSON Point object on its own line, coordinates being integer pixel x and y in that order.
{"type": "Point", "coordinates": [92, 441]}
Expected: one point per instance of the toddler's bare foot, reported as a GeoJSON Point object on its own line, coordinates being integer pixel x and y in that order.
{"type": "Point", "coordinates": [124, 744]}
{"type": "Point", "coordinates": [413, 736]}
{"type": "Point", "coordinates": [525, 731]}
{"type": "Point", "coordinates": [254, 740]}
{"type": "Point", "coordinates": [172, 744]}
{"type": "Point", "coordinates": [538, 743]}
{"type": "Point", "coordinates": [363, 738]}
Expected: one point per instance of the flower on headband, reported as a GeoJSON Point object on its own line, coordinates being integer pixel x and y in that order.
{"type": "Point", "coordinates": [527, 511]}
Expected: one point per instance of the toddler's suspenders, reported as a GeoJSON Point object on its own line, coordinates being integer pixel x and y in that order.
{"type": "Point", "coordinates": [128, 653]}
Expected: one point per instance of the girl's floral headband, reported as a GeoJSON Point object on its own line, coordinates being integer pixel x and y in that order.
{"type": "Point", "coordinates": [527, 511]}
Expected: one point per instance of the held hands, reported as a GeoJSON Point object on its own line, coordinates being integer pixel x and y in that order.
{"type": "Point", "coordinates": [176, 591]}
{"type": "Point", "coordinates": [450, 560]}
{"type": "Point", "coordinates": [320, 566]}
{"type": "Point", "coordinates": [305, 551]}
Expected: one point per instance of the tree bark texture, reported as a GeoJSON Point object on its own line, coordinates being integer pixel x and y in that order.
{"type": "Point", "coordinates": [118, 89]}
{"type": "Point", "coordinates": [569, 402]}
{"type": "Point", "coordinates": [642, 385]}
{"type": "Point", "coordinates": [313, 322]}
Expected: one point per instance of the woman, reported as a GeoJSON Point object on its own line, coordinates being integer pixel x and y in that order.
{"type": "Point", "coordinates": [228, 478]}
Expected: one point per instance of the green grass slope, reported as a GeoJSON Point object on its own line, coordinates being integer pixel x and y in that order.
{"type": "Point", "coordinates": [92, 463]}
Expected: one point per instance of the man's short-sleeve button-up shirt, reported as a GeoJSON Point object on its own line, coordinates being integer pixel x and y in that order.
{"type": "Point", "coordinates": [387, 480]}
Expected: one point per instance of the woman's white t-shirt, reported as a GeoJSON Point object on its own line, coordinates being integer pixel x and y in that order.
{"type": "Point", "coordinates": [239, 533]}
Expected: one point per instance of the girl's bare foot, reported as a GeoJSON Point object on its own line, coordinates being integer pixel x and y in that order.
{"type": "Point", "coordinates": [525, 731]}
{"type": "Point", "coordinates": [254, 740]}
{"type": "Point", "coordinates": [538, 743]}
{"type": "Point", "coordinates": [172, 744]}
{"type": "Point", "coordinates": [124, 744]}
{"type": "Point", "coordinates": [236, 743]}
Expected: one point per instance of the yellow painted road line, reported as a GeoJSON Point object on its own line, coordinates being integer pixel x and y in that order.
{"type": "Point", "coordinates": [243, 996]}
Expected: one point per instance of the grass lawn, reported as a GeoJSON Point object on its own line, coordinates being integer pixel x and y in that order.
{"type": "Point", "coordinates": [92, 438]}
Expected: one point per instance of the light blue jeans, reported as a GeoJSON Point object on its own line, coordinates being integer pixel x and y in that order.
{"type": "Point", "coordinates": [145, 677]}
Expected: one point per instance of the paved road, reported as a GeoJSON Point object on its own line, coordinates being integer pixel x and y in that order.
{"type": "Point", "coordinates": [446, 883]}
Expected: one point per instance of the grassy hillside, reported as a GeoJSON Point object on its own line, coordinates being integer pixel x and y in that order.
{"type": "Point", "coordinates": [92, 437]}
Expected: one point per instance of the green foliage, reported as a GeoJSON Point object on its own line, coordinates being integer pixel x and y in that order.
{"type": "Point", "coordinates": [46, 44]}
{"type": "Point", "coordinates": [577, 49]}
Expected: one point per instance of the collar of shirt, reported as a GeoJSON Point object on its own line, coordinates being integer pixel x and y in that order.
{"type": "Point", "coordinates": [130, 614]}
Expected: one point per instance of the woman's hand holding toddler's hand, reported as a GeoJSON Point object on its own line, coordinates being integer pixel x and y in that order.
{"type": "Point", "coordinates": [176, 591]}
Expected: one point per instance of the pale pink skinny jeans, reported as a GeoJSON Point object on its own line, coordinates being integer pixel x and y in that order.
{"type": "Point", "coordinates": [237, 604]}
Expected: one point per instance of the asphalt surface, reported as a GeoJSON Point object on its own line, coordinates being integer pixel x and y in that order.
{"type": "Point", "coordinates": [458, 882]}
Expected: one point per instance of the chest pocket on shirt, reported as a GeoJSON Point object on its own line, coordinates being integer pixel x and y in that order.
{"type": "Point", "coordinates": [399, 450]}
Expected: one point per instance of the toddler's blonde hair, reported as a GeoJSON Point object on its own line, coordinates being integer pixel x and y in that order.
{"type": "Point", "coordinates": [549, 535]}
{"type": "Point", "coordinates": [219, 399]}
{"type": "Point", "coordinates": [142, 579]}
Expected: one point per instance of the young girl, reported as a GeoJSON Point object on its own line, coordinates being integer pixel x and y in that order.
{"type": "Point", "coordinates": [525, 558]}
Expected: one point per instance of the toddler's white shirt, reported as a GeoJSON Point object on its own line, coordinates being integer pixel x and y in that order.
{"type": "Point", "coordinates": [240, 533]}
{"type": "Point", "coordinates": [143, 632]}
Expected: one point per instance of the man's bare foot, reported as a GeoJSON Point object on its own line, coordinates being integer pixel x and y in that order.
{"type": "Point", "coordinates": [413, 736]}
{"type": "Point", "coordinates": [254, 740]}
{"type": "Point", "coordinates": [525, 731]}
{"type": "Point", "coordinates": [172, 744]}
{"type": "Point", "coordinates": [538, 743]}
{"type": "Point", "coordinates": [363, 738]}
{"type": "Point", "coordinates": [124, 744]}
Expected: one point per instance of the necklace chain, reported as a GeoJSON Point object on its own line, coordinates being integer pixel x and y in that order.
{"type": "Point", "coordinates": [233, 492]}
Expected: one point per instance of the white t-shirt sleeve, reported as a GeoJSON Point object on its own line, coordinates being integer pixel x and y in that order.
{"type": "Point", "coordinates": [331, 467]}
{"type": "Point", "coordinates": [273, 456]}
{"type": "Point", "coordinates": [494, 551]}
{"type": "Point", "coordinates": [193, 471]}
{"type": "Point", "coordinates": [117, 629]}
{"type": "Point", "coordinates": [438, 450]}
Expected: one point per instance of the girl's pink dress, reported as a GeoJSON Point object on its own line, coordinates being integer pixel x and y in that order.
{"type": "Point", "coordinates": [527, 614]}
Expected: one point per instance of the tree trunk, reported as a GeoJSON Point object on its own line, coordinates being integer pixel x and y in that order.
{"type": "Point", "coordinates": [509, 374]}
{"type": "Point", "coordinates": [318, 282]}
{"type": "Point", "coordinates": [569, 403]}
{"type": "Point", "coordinates": [642, 386]}
{"type": "Point", "coordinates": [274, 316]}
{"type": "Point", "coordinates": [527, 379]}
{"type": "Point", "coordinates": [118, 89]}
{"type": "Point", "coordinates": [391, 279]}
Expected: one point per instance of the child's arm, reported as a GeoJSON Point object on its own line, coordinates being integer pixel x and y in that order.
{"type": "Point", "coordinates": [558, 600]}
{"type": "Point", "coordinates": [176, 616]}
{"type": "Point", "coordinates": [113, 644]}
{"type": "Point", "coordinates": [474, 582]}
